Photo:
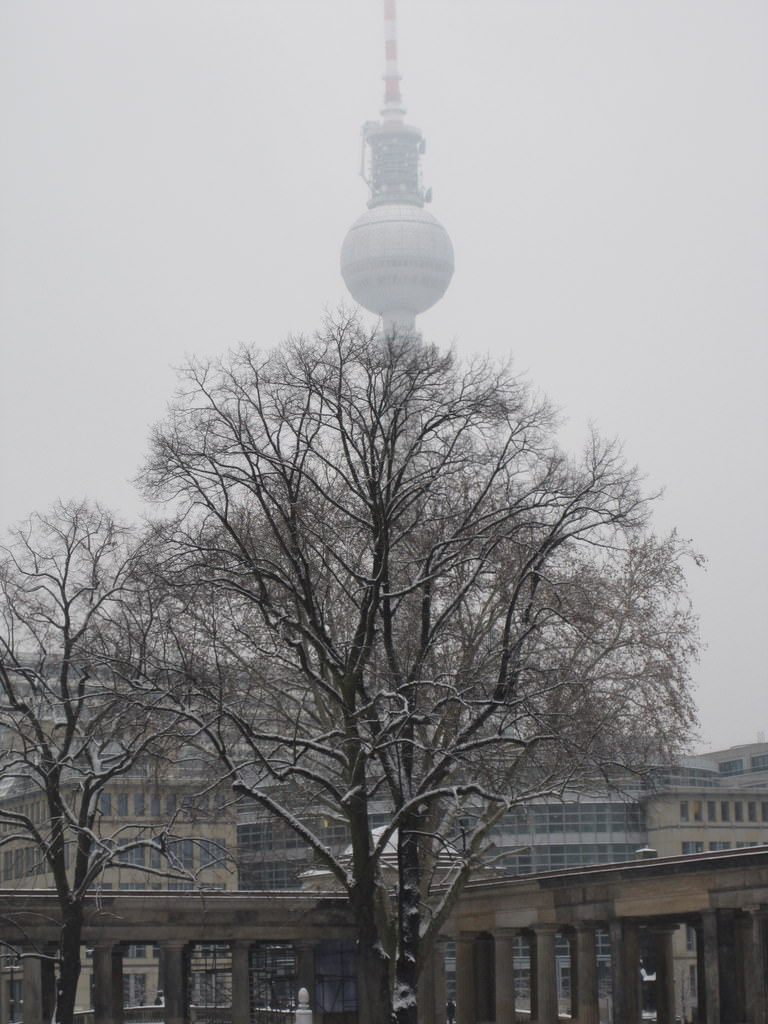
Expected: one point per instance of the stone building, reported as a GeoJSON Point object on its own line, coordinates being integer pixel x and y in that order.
{"type": "Point", "coordinates": [179, 831]}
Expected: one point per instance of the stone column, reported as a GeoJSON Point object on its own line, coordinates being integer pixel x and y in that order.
{"type": "Point", "coordinates": [625, 971]}
{"type": "Point", "coordinates": [465, 979]}
{"type": "Point", "coordinates": [241, 982]}
{"type": "Point", "coordinates": [485, 985]}
{"type": "Point", "coordinates": [665, 974]}
{"type": "Point", "coordinates": [48, 973]}
{"type": "Point", "coordinates": [5, 996]}
{"type": "Point", "coordinates": [585, 975]}
{"type": "Point", "coordinates": [175, 973]}
{"type": "Point", "coordinates": [701, 989]}
{"type": "Point", "coordinates": [107, 984]}
{"type": "Point", "coordinates": [305, 969]}
{"type": "Point", "coordinates": [428, 1005]}
{"type": "Point", "coordinates": [38, 992]}
{"type": "Point", "coordinates": [546, 979]}
{"type": "Point", "coordinates": [755, 984]}
{"type": "Point", "coordinates": [504, 970]}
{"type": "Point", "coordinates": [708, 966]}
{"type": "Point", "coordinates": [441, 993]}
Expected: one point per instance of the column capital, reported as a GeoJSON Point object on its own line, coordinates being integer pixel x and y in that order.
{"type": "Point", "coordinates": [587, 926]}
{"type": "Point", "coordinates": [662, 928]}
{"type": "Point", "coordinates": [755, 911]}
{"type": "Point", "coordinates": [546, 928]}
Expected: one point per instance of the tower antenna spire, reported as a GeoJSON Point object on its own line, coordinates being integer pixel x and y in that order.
{"type": "Point", "coordinates": [393, 111]}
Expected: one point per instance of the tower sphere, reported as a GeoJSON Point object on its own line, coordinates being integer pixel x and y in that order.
{"type": "Point", "coordinates": [397, 261]}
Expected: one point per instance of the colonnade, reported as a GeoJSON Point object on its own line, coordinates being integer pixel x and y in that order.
{"type": "Point", "coordinates": [731, 961]}
{"type": "Point", "coordinates": [721, 896]}
{"type": "Point", "coordinates": [730, 957]}
{"type": "Point", "coordinates": [38, 981]}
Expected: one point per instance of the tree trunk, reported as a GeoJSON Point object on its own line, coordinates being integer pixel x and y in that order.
{"type": "Point", "coordinates": [69, 964]}
{"type": "Point", "coordinates": [409, 921]}
{"type": "Point", "coordinates": [374, 993]}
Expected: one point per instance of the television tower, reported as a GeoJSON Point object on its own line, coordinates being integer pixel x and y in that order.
{"type": "Point", "coordinates": [397, 259]}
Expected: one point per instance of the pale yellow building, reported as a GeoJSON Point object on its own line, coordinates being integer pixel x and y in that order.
{"type": "Point", "coordinates": [179, 832]}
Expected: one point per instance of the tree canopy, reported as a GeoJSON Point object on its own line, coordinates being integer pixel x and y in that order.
{"type": "Point", "coordinates": [393, 598]}
{"type": "Point", "coordinates": [75, 620]}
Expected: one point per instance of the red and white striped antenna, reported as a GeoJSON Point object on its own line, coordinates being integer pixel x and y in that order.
{"type": "Point", "coordinates": [393, 110]}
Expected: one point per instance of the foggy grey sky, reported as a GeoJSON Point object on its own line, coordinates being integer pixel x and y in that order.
{"type": "Point", "coordinates": [178, 176]}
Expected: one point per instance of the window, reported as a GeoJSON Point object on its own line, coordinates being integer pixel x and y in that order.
{"type": "Point", "coordinates": [134, 990]}
{"type": "Point", "coordinates": [698, 810]}
{"type": "Point", "coordinates": [738, 810]}
{"type": "Point", "coordinates": [751, 810]}
{"type": "Point", "coordinates": [761, 761]}
{"type": "Point", "coordinates": [170, 804]}
{"type": "Point", "coordinates": [731, 767]}
{"type": "Point", "coordinates": [719, 845]}
{"type": "Point", "coordinates": [711, 810]}
{"type": "Point", "coordinates": [257, 836]}
{"type": "Point", "coordinates": [273, 975]}
{"type": "Point", "coordinates": [764, 809]}
{"type": "Point", "coordinates": [138, 805]}
{"type": "Point", "coordinates": [693, 846]}
{"type": "Point", "coordinates": [335, 977]}
{"type": "Point", "coordinates": [269, 874]}
{"type": "Point", "coordinates": [725, 811]}
{"type": "Point", "coordinates": [105, 803]}
{"type": "Point", "coordinates": [154, 805]}
{"type": "Point", "coordinates": [212, 851]}
{"type": "Point", "coordinates": [122, 805]}
{"type": "Point", "coordinates": [690, 939]}
{"type": "Point", "coordinates": [133, 856]}
{"type": "Point", "coordinates": [684, 810]}
{"type": "Point", "coordinates": [181, 853]}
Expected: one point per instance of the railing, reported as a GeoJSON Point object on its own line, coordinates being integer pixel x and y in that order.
{"type": "Point", "coordinates": [197, 1015]}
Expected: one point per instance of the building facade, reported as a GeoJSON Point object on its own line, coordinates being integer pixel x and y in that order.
{"type": "Point", "coordinates": [178, 831]}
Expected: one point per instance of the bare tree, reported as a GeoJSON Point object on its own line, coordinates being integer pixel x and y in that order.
{"type": "Point", "coordinates": [402, 603]}
{"type": "Point", "coordinates": [66, 728]}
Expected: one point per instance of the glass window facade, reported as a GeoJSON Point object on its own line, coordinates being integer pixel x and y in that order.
{"type": "Point", "coordinates": [693, 846]}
